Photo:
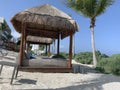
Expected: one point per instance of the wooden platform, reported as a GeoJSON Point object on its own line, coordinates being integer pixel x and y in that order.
{"type": "Point", "coordinates": [46, 70]}
{"type": "Point", "coordinates": [46, 64]}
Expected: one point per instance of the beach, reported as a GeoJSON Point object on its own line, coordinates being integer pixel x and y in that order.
{"type": "Point", "coordinates": [57, 81]}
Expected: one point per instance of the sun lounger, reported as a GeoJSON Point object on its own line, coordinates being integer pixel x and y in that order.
{"type": "Point", "coordinates": [15, 65]}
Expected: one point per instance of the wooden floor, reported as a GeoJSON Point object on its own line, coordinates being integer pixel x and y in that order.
{"type": "Point", "coordinates": [45, 64]}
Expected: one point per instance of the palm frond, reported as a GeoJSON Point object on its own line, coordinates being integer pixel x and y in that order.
{"type": "Point", "coordinates": [102, 6]}
{"type": "Point", "coordinates": [77, 5]}
{"type": "Point", "coordinates": [89, 8]}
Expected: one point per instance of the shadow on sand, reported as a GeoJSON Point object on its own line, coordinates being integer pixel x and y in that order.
{"type": "Point", "coordinates": [27, 81]}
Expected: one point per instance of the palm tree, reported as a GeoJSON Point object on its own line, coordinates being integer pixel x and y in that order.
{"type": "Point", "coordinates": [90, 9]}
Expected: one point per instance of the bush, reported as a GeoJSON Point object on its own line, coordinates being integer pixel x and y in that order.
{"type": "Point", "coordinates": [62, 55]}
{"type": "Point", "coordinates": [87, 57]}
{"type": "Point", "coordinates": [115, 67]}
{"type": "Point", "coordinates": [101, 64]}
{"type": "Point", "coordinates": [115, 64]}
{"type": "Point", "coordinates": [84, 57]}
{"type": "Point", "coordinates": [110, 65]}
{"type": "Point", "coordinates": [65, 55]}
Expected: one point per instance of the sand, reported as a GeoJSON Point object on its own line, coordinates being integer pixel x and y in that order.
{"type": "Point", "coordinates": [58, 81]}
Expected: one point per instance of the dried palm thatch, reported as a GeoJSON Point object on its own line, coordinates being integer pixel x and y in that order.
{"type": "Point", "coordinates": [39, 40]}
{"type": "Point", "coordinates": [45, 21]}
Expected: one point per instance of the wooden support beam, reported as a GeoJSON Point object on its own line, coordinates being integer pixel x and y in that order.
{"type": "Point", "coordinates": [22, 43]}
{"type": "Point", "coordinates": [46, 49]}
{"type": "Point", "coordinates": [49, 50]}
{"type": "Point", "coordinates": [25, 42]}
{"type": "Point", "coordinates": [70, 50]}
{"type": "Point", "coordinates": [32, 42]}
{"type": "Point", "coordinates": [42, 33]}
{"type": "Point", "coordinates": [28, 46]}
{"type": "Point", "coordinates": [58, 45]}
{"type": "Point", "coordinates": [54, 47]}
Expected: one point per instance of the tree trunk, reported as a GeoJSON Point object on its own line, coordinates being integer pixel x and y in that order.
{"type": "Point", "coordinates": [73, 50]}
{"type": "Point", "coordinates": [93, 47]}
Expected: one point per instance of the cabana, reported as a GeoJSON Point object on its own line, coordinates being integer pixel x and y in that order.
{"type": "Point", "coordinates": [48, 22]}
{"type": "Point", "coordinates": [40, 41]}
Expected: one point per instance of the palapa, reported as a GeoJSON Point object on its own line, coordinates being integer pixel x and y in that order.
{"type": "Point", "coordinates": [45, 21]}
{"type": "Point", "coordinates": [39, 40]}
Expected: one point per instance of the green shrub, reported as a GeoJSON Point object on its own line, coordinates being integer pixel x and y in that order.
{"type": "Point", "coordinates": [110, 65]}
{"type": "Point", "coordinates": [101, 64]}
{"type": "Point", "coordinates": [115, 64]}
{"type": "Point", "coordinates": [65, 55]}
{"type": "Point", "coordinates": [62, 55]}
{"type": "Point", "coordinates": [116, 67]}
{"type": "Point", "coordinates": [87, 57]}
{"type": "Point", "coordinates": [84, 57]}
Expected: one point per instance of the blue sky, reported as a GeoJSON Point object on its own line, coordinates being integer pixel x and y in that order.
{"type": "Point", "coordinates": [107, 30]}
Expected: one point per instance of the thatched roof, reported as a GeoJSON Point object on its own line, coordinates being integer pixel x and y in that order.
{"type": "Point", "coordinates": [44, 21]}
{"type": "Point", "coordinates": [39, 40]}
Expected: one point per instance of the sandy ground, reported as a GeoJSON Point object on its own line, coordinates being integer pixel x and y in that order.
{"type": "Point", "coordinates": [58, 81]}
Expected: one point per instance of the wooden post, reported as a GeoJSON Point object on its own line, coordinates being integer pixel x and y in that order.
{"type": "Point", "coordinates": [73, 50]}
{"type": "Point", "coordinates": [70, 50]}
{"type": "Point", "coordinates": [22, 44]}
{"type": "Point", "coordinates": [54, 47]}
{"type": "Point", "coordinates": [28, 45]}
{"type": "Point", "coordinates": [58, 45]}
{"type": "Point", "coordinates": [25, 47]}
{"type": "Point", "coordinates": [49, 50]}
{"type": "Point", "coordinates": [46, 49]}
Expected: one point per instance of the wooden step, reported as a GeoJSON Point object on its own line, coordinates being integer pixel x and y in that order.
{"type": "Point", "coordinates": [46, 70]}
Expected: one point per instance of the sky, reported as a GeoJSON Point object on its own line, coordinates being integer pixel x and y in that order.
{"type": "Point", "coordinates": [107, 29]}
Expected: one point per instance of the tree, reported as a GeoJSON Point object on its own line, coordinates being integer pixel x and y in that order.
{"type": "Point", "coordinates": [5, 33]}
{"type": "Point", "coordinates": [90, 9]}
{"type": "Point", "coordinates": [3, 26]}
